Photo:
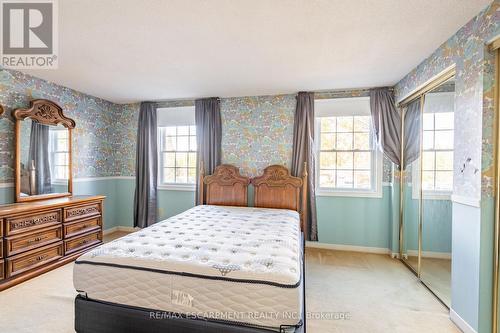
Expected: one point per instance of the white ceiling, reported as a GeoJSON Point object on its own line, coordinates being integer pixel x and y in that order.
{"type": "Point", "coordinates": [133, 50]}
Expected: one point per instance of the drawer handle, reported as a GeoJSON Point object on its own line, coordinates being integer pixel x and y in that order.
{"type": "Point", "coordinates": [84, 226]}
{"type": "Point", "coordinates": [37, 259]}
{"type": "Point", "coordinates": [83, 242]}
{"type": "Point", "coordinates": [36, 239]}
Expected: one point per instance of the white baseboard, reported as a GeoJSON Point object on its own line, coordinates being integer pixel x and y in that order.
{"type": "Point", "coordinates": [342, 247]}
{"type": "Point", "coordinates": [119, 228]}
{"type": "Point", "coordinates": [431, 254]}
{"type": "Point", "coordinates": [462, 324]}
{"type": "Point", "coordinates": [109, 231]}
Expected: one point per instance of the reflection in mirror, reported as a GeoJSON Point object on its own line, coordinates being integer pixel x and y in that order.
{"type": "Point", "coordinates": [437, 186]}
{"type": "Point", "coordinates": [411, 204]}
{"type": "Point", "coordinates": [44, 158]}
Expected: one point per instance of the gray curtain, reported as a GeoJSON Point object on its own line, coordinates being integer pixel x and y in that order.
{"type": "Point", "coordinates": [208, 136]}
{"type": "Point", "coordinates": [387, 123]}
{"type": "Point", "coordinates": [411, 133]}
{"type": "Point", "coordinates": [303, 151]}
{"type": "Point", "coordinates": [146, 167]}
{"type": "Point", "coordinates": [38, 157]}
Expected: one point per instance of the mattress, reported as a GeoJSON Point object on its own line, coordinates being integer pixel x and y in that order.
{"type": "Point", "coordinates": [238, 265]}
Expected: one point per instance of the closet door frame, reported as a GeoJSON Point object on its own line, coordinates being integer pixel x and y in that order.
{"type": "Point", "coordinates": [419, 93]}
{"type": "Point", "coordinates": [494, 47]}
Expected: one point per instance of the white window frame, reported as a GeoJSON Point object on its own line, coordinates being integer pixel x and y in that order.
{"type": "Point", "coordinates": [377, 159]}
{"type": "Point", "coordinates": [52, 151]}
{"type": "Point", "coordinates": [426, 194]}
{"type": "Point", "coordinates": [415, 175]}
{"type": "Point", "coordinates": [185, 118]}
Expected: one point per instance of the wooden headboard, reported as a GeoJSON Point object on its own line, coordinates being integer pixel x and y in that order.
{"type": "Point", "coordinates": [276, 188]}
{"type": "Point", "coordinates": [226, 186]}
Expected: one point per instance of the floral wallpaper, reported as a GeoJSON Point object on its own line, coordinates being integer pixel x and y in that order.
{"type": "Point", "coordinates": [94, 136]}
{"type": "Point", "coordinates": [124, 137]}
{"type": "Point", "coordinates": [474, 64]}
{"type": "Point", "coordinates": [257, 131]}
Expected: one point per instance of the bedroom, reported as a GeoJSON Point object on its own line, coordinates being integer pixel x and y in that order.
{"type": "Point", "coordinates": [301, 110]}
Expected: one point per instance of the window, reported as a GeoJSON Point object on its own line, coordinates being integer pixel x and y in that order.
{"type": "Point", "coordinates": [437, 147]}
{"type": "Point", "coordinates": [177, 147]}
{"type": "Point", "coordinates": [178, 154]}
{"type": "Point", "coordinates": [59, 154]}
{"type": "Point", "coordinates": [348, 163]}
{"type": "Point", "coordinates": [437, 156]}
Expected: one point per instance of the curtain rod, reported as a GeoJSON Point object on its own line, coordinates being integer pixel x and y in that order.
{"type": "Point", "coordinates": [320, 94]}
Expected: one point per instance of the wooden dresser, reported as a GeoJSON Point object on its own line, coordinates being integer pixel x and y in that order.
{"type": "Point", "coordinates": [42, 235]}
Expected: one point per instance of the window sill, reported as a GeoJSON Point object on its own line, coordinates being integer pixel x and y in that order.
{"type": "Point", "coordinates": [351, 194]}
{"type": "Point", "coordinates": [177, 187]}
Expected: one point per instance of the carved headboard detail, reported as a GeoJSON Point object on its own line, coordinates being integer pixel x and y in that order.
{"type": "Point", "coordinates": [45, 112]}
{"type": "Point", "coordinates": [226, 186]}
{"type": "Point", "coordinates": [276, 188]}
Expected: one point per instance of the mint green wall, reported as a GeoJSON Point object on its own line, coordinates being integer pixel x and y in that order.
{"type": "Point", "coordinates": [410, 220]}
{"type": "Point", "coordinates": [341, 220]}
{"type": "Point", "coordinates": [6, 195]}
{"type": "Point", "coordinates": [485, 263]}
{"type": "Point", "coordinates": [170, 203]}
{"type": "Point", "coordinates": [465, 267]}
{"type": "Point", "coordinates": [105, 187]}
{"type": "Point", "coordinates": [394, 211]}
{"type": "Point", "coordinates": [436, 224]}
{"type": "Point", "coordinates": [125, 202]}
{"type": "Point", "coordinates": [355, 221]}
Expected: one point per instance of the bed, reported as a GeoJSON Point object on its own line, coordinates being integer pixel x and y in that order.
{"type": "Point", "coordinates": [218, 267]}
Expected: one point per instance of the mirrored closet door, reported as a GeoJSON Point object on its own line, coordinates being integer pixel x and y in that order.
{"type": "Point", "coordinates": [428, 141]}
{"type": "Point", "coordinates": [437, 186]}
{"type": "Point", "coordinates": [411, 202]}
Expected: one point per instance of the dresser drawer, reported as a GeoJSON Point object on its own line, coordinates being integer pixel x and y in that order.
{"type": "Point", "coordinates": [82, 242]}
{"type": "Point", "coordinates": [25, 261]}
{"type": "Point", "coordinates": [2, 269]}
{"type": "Point", "coordinates": [25, 242]}
{"type": "Point", "coordinates": [81, 212]}
{"type": "Point", "coordinates": [81, 227]}
{"type": "Point", "coordinates": [1, 248]}
{"type": "Point", "coordinates": [24, 223]}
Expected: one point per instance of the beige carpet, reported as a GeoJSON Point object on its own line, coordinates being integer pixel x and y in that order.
{"type": "Point", "coordinates": [375, 292]}
{"type": "Point", "coordinates": [436, 274]}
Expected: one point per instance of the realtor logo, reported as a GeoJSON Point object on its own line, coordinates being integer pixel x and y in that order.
{"type": "Point", "coordinates": [29, 34]}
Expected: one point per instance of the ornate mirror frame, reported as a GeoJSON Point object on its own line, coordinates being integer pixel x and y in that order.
{"type": "Point", "coordinates": [48, 113]}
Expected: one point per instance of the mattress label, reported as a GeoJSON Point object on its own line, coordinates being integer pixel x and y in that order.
{"type": "Point", "coordinates": [182, 298]}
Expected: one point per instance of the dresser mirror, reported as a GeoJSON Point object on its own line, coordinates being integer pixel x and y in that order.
{"type": "Point", "coordinates": [43, 152]}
